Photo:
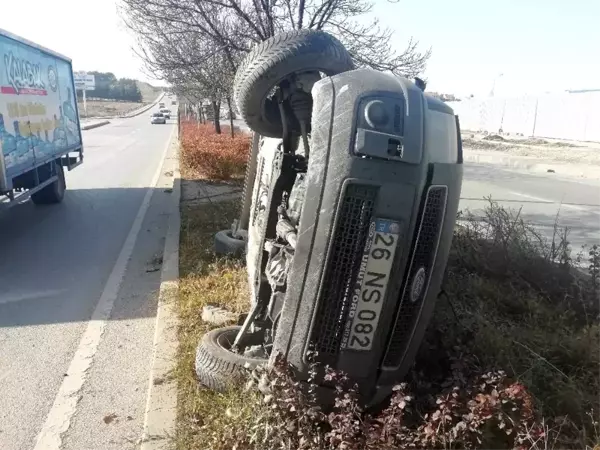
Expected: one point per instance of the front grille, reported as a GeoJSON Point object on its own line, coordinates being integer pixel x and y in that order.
{"type": "Point", "coordinates": [349, 238]}
{"type": "Point", "coordinates": [420, 267]}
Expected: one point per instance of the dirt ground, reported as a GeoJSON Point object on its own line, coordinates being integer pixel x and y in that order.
{"type": "Point", "coordinates": [544, 149]}
{"type": "Point", "coordinates": [96, 108]}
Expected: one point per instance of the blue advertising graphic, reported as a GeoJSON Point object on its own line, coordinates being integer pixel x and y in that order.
{"type": "Point", "coordinates": [38, 116]}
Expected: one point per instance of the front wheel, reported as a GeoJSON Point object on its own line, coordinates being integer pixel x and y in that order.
{"type": "Point", "coordinates": [54, 192]}
{"type": "Point", "coordinates": [272, 61]}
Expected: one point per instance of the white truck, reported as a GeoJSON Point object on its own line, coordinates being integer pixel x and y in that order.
{"type": "Point", "coordinates": [40, 131]}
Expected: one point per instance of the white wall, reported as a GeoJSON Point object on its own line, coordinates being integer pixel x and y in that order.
{"type": "Point", "coordinates": [560, 116]}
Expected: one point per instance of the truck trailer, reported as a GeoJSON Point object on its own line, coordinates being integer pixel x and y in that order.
{"type": "Point", "coordinates": [40, 133]}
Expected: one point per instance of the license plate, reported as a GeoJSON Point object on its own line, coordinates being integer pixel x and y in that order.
{"type": "Point", "coordinates": [371, 284]}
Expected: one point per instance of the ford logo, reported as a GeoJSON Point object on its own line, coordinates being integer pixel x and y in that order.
{"type": "Point", "coordinates": [418, 284]}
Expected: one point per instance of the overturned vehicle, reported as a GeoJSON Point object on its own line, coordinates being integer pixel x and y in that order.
{"type": "Point", "coordinates": [351, 197]}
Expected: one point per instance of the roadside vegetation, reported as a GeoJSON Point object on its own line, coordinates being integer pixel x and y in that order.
{"type": "Point", "coordinates": [210, 156]}
{"type": "Point", "coordinates": [510, 359]}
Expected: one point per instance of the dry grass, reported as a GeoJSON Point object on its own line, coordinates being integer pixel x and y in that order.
{"type": "Point", "coordinates": [211, 156]}
{"type": "Point", "coordinates": [149, 92]}
{"type": "Point", "coordinates": [98, 108]}
{"type": "Point", "coordinates": [204, 279]}
{"type": "Point", "coordinates": [537, 148]}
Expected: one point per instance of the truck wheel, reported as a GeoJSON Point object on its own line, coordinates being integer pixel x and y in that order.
{"type": "Point", "coordinates": [217, 367]}
{"type": "Point", "coordinates": [227, 244]}
{"type": "Point", "coordinates": [275, 59]}
{"type": "Point", "coordinates": [55, 192]}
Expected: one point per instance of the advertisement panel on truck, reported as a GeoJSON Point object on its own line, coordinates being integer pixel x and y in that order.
{"type": "Point", "coordinates": [38, 111]}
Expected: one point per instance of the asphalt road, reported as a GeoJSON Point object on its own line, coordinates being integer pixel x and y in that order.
{"type": "Point", "coordinates": [78, 297]}
{"type": "Point", "coordinates": [543, 199]}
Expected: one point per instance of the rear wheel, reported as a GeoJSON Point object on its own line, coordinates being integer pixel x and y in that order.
{"type": "Point", "coordinates": [54, 192]}
{"type": "Point", "coordinates": [217, 366]}
{"type": "Point", "coordinates": [274, 60]}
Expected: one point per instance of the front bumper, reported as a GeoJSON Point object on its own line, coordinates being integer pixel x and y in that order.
{"type": "Point", "coordinates": [344, 194]}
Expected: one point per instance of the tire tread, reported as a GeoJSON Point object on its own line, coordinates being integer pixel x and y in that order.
{"type": "Point", "coordinates": [217, 368]}
{"type": "Point", "coordinates": [267, 59]}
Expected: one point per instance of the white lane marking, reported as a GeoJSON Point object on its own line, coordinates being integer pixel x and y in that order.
{"type": "Point", "coordinates": [31, 295]}
{"type": "Point", "coordinates": [65, 403]}
{"type": "Point", "coordinates": [545, 200]}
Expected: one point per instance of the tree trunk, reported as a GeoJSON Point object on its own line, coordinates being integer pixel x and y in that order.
{"type": "Point", "coordinates": [216, 117]}
{"type": "Point", "coordinates": [300, 13]}
{"type": "Point", "coordinates": [230, 116]}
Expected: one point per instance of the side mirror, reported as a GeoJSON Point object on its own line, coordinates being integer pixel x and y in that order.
{"type": "Point", "coordinates": [420, 83]}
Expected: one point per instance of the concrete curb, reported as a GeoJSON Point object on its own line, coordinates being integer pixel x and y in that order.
{"type": "Point", "coordinates": [161, 404]}
{"type": "Point", "coordinates": [94, 125]}
{"type": "Point", "coordinates": [532, 164]}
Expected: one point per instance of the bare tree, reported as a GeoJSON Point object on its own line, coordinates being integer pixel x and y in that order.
{"type": "Point", "coordinates": [200, 43]}
{"type": "Point", "coordinates": [196, 64]}
{"type": "Point", "coordinates": [237, 24]}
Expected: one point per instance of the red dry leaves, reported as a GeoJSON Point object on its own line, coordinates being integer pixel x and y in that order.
{"type": "Point", "coordinates": [205, 154]}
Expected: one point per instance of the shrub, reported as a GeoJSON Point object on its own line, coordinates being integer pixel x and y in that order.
{"type": "Point", "coordinates": [520, 302]}
{"type": "Point", "coordinates": [205, 154]}
{"type": "Point", "coordinates": [273, 412]}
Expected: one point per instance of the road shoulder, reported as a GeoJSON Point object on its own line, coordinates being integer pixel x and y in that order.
{"type": "Point", "coordinates": [161, 405]}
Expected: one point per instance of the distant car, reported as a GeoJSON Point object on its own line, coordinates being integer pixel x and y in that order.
{"type": "Point", "coordinates": [166, 112]}
{"type": "Point", "coordinates": [161, 105]}
{"type": "Point", "coordinates": [158, 118]}
{"type": "Point", "coordinates": [173, 102]}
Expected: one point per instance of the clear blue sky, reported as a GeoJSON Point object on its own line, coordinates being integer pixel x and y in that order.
{"type": "Point", "coordinates": [539, 45]}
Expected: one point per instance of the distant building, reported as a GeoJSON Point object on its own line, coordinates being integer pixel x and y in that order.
{"type": "Point", "coordinates": [582, 91]}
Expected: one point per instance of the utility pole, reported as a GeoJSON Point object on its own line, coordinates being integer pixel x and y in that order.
{"type": "Point", "coordinates": [494, 84]}
{"type": "Point", "coordinates": [84, 102]}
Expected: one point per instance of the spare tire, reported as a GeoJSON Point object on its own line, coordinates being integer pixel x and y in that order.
{"type": "Point", "coordinates": [271, 61]}
{"type": "Point", "coordinates": [228, 244]}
